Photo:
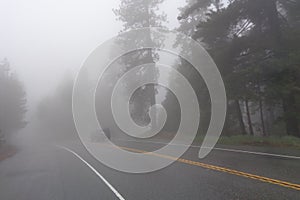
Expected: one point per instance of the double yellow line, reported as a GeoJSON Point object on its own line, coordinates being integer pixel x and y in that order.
{"type": "Point", "coordinates": [222, 169]}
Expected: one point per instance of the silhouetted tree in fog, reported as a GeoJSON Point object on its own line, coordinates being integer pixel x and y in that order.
{"type": "Point", "coordinates": [12, 102]}
{"type": "Point", "coordinates": [255, 44]}
{"type": "Point", "coordinates": [136, 14]}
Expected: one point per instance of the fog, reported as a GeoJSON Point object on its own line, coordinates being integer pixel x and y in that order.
{"type": "Point", "coordinates": [149, 99]}
{"type": "Point", "coordinates": [46, 41]}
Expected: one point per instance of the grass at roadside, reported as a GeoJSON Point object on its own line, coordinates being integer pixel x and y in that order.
{"type": "Point", "coordinates": [274, 141]}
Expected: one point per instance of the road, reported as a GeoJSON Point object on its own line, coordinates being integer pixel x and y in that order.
{"type": "Point", "coordinates": [68, 171]}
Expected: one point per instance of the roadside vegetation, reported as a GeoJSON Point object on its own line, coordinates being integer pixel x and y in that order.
{"type": "Point", "coordinates": [256, 46]}
{"type": "Point", "coordinates": [271, 141]}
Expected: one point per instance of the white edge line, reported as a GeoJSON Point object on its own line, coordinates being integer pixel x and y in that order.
{"type": "Point", "coordinates": [257, 153]}
{"type": "Point", "coordinates": [223, 149]}
{"type": "Point", "coordinates": [96, 172]}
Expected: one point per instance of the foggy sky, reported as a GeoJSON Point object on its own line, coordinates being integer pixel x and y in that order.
{"type": "Point", "coordinates": [45, 39]}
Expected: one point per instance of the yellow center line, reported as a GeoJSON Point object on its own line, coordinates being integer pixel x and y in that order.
{"type": "Point", "coordinates": [221, 169]}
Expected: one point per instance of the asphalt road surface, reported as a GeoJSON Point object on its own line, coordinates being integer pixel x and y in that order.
{"type": "Point", "coordinates": [68, 171]}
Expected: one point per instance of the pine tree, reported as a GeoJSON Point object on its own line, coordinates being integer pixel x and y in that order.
{"type": "Point", "coordinates": [255, 44]}
{"type": "Point", "coordinates": [140, 14]}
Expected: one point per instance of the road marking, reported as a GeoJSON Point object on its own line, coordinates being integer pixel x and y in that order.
{"type": "Point", "coordinates": [222, 149]}
{"type": "Point", "coordinates": [257, 153]}
{"type": "Point", "coordinates": [96, 172]}
{"type": "Point", "coordinates": [221, 169]}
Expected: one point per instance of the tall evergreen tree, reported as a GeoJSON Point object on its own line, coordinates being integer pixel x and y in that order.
{"type": "Point", "coordinates": [255, 44]}
{"type": "Point", "coordinates": [140, 14]}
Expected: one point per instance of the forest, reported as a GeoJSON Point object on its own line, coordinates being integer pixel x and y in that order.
{"type": "Point", "coordinates": [256, 46]}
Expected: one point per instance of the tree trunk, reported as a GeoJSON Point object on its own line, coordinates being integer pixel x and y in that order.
{"type": "Point", "coordinates": [289, 102]}
{"type": "Point", "coordinates": [262, 117]}
{"type": "Point", "coordinates": [151, 91]}
{"type": "Point", "coordinates": [240, 117]}
{"type": "Point", "coordinates": [249, 118]}
{"type": "Point", "coordinates": [290, 115]}
{"type": "Point", "coordinates": [261, 112]}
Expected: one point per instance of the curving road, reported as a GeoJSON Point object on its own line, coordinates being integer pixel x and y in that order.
{"type": "Point", "coordinates": [68, 171]}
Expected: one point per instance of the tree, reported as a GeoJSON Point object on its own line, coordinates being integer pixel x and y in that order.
{"type": "Point", "coordinates": [12, 102]}
{"type": "Point", "coordinates": [255, 44]}
{"type": "Point", "coordinates": [140, 14]}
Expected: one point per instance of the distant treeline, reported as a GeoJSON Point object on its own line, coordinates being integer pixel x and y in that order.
{"type": "Point", "coordinates": [12, 102]}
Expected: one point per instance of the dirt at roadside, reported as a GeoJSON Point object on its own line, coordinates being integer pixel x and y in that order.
{"type": "Point", "coordinates": [7, 151]}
